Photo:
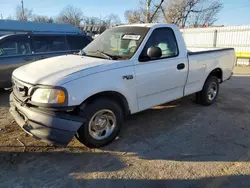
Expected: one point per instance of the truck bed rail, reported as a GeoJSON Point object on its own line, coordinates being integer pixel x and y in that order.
{"type": "Point", "coordinates": [209, 51]}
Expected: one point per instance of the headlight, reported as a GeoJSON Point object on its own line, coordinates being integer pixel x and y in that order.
{"type": "Point", "coordinates": [49, 96]}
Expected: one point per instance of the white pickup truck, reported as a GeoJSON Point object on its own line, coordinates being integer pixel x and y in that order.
{"type": "Point", "coordinates": [125, 70]}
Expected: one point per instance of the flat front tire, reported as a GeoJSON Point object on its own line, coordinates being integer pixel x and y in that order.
{"type": "Point", "coordinates": [104, 120]}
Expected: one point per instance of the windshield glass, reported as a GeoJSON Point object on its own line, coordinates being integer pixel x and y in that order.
{"type": "Point", "coordinates": [116, 43]}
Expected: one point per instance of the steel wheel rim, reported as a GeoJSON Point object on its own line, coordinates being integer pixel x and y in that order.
{"type": "Point", "coordinates": [212, 91]}
{"type": "Point", "coordinates": [102, 124]}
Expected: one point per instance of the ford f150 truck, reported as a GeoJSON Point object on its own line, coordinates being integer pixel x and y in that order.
{"type": "Point", "coordinates": [125, 70]}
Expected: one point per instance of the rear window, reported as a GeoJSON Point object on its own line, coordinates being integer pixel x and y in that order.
{"type": "Point", "coordinates": [77, 42]}
{"type": "Point", "coordinates": [49, 43]}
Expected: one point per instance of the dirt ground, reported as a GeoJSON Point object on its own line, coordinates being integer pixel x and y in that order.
{"type": "Point", "coordinates": [180, 144]}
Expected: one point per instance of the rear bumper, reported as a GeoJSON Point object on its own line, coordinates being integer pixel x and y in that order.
{"type": "Point", "coordinates": [230, 76]}
{"type": "Point", "coordinates": [53, 127]}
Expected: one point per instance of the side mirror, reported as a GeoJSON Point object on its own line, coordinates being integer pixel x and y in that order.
{"type": "Point", "coordinates": [154, 52]}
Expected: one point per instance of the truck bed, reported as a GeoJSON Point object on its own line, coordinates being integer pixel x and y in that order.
{"type": "Point", "coordinates": [203, 61]}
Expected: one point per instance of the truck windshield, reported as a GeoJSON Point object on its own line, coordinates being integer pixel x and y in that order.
{"type": "Point", "coordinates": [116, 43]}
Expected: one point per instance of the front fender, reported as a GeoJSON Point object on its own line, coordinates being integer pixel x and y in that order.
{"type": "Point", "coordinates": [113, 80]}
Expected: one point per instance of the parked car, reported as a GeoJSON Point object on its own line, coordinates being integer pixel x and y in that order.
{"type": "Point", "coordinates": [127, 69]}
{"type": "Point", "coordinates": [20, 49]}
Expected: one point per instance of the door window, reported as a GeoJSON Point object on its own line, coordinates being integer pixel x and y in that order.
{"type": "Point", "coordinates": [49, 43]}
{"type": "Point", "coordinates": [16, 45]}
{"type": "Point", "coordinates": [40, 44]}
{"type": "Point", "coordinates": [163, 38]}
{"type": "Point", "coordinates": [58, 43]}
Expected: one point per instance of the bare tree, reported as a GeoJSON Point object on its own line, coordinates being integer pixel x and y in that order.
{"type": "Point", "coordinates": [133, 16]}
{"type": "Point", "coordinates": [43, 19]}
{"type": "Point", "coordinates": [91, 20]}
{"type": "Point", "coordinates": [23, 14]}
{"type": "Point", "coordinates": [146, 13]}
{"type": "Point", "coordinates": [207, 16]}
{"type": "Point", "coordinates": [191, 12]}
{"type": "Point", "coordinates": [111, 19]}
{"type": "Point", "coordinates": [71, 15]}
{"type": "Point", "coordinates": [178, 11]}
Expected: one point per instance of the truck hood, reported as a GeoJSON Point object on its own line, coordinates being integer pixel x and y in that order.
{"type": "Point", "coordinates": [56, 70]}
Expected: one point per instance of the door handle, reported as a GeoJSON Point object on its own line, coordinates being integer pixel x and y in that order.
{"type": "Point", "coordinates": [180, 66]}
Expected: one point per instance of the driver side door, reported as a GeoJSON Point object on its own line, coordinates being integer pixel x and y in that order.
{"type": "Point", "coordinates": [15, 51]}
{"type": "Point", "coordinates": [162, 79]}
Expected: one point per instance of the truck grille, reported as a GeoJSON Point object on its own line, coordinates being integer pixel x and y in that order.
{"type": "Point", "coordinates": [20, 89]}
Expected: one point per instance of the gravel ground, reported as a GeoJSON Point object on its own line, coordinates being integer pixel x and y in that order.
{"type": "Point", "coordinates": [180, 144]}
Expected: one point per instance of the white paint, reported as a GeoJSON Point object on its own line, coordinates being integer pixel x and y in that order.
{"type": "Point", "coordinates": [201, 65]}
{"type": "Point", "coordinates": [154, 83]}
{"type": "Point", "coordinates": [57, 70]}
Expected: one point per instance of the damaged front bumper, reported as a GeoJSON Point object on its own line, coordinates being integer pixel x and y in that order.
{"type": "Point", "coordinates": [54, 127]}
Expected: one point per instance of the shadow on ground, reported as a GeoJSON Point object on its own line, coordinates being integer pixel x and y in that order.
{"type": "Point", "coordinates": [242, 181]}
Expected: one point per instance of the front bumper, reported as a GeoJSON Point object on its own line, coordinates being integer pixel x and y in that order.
{"type": "Point", "coordinates": [54, 127]}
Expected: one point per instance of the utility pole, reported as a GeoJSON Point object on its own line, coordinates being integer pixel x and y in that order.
{"type": "Point", "coordinates": [22, 9]}
{"type": "Point", "coordinates": [148, 10]}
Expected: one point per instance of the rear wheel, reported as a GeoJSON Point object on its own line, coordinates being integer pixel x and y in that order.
{"type": "Point", "coordinates": [209, 92]}
{"type": "Point", "coordinates": [104, 121]}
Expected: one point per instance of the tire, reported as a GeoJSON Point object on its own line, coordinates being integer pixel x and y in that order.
{"type": "Point", "coordinates": [112, 113]}
{"type": "Point", "coordinates": [210, 91]}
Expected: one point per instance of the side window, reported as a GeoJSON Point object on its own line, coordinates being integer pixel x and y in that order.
{"type": "Point", "coordinates": [40, 44]}
{"type": "Point", "coordinates": [163, 38]}
{"type": "Point", "coordinates": [77, 42]}
{"type": "Point", "coordinates": [43, 44]}
{"type": "Point", "coordinates": [17, 45]}
{"type": "Point", "coordinates": [58, 43]}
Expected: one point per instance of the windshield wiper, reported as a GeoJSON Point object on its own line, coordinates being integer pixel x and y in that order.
{"type": "Point", "coordinates": [108, 56]}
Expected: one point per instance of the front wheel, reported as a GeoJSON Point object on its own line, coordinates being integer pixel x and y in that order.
{"type": "Point", "coordinates": [104, 121]}
{"type": "Point", "coordinates": [210, 91]}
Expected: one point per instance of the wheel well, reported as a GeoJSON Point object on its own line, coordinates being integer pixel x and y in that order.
{"type": "Point", "coordinates": [216, 72]}
{"type": "Point", "coordinates": [113, 95]}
